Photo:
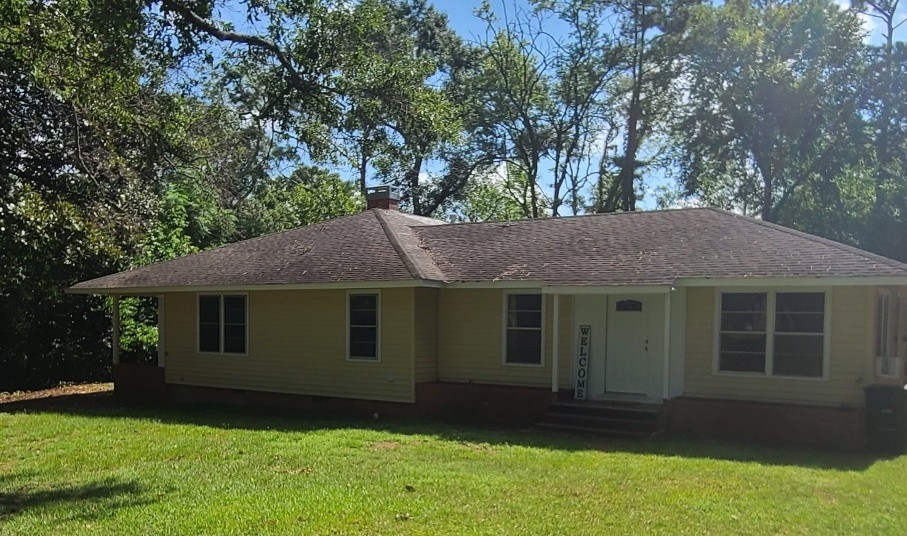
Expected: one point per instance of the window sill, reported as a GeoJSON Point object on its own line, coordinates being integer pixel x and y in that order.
{"type": "Point", "coordinates": [363, 359]}
{"type": "Point", "coordinates": [532, 365]}
{"type": "Point", "coordinates": [769, 377]}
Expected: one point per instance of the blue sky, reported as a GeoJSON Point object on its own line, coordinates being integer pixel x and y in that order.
{"type": "Point", "coordinates": [461, 17]}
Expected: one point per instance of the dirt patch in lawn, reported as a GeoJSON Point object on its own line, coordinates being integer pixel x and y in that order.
{"type": "Point", "coordinates": [384, 445]}
{"type": "Point", "coordinates": [64, 394]}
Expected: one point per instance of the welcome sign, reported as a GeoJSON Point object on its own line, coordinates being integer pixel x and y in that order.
{"type": "Point", "coordinates": [582, 361]}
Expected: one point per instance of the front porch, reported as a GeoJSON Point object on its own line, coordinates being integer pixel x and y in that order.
{"type": "Point", "coordinates": [627, 343]}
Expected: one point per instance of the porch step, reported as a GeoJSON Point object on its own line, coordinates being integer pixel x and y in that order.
{"type": "Point", "coordinates": [625, 419]}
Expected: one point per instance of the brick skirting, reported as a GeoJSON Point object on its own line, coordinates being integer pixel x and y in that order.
{"type": "Point", "coordinates": [139, 381]}
{"type": "Point", "coordinates": [762, 423]}
{"type": "Point", "coordinates": [767, 423]}
{"type": "Point", "coordinates": [457, 402]}
{"type": "Point", "coordinates": [471, 402]}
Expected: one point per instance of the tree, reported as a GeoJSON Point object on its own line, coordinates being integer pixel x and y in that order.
{"type": "Point", "coordinates": [81, 147]}
{"type": "Point", "coordinates": [513, 88]}
{"type": "Point", "coordinates": [585, 64]}
{"type": "Point", "coordinates": [308, 195]}
{"type": "Point", "coordinates": [884, 106]}
{"type": "Point", "coordinates": [398, 104]}
{"type": "Point", "coordinates": [489, 197]}
{"type": "Point", "coordinates": [645, 93]}
{"type": "Point", "coordinates": [771, 117]}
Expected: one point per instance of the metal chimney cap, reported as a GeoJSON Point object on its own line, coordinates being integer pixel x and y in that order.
{"type": "Point", "coordinates": [383, 191]}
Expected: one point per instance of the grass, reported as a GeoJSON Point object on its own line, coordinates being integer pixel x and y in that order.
{"type": "Point", "coordinates": [104, 469]}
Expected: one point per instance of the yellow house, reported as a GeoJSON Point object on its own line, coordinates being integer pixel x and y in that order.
{"type": "Point", "coordinates": [694, 321]}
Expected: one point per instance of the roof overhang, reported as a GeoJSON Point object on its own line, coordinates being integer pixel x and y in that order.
{"type": "Point", "coordinates": [755, 282]}
{"type": "Point", "coordinates": [151, 291]}
{"type": "Point", "coordinates": [607, 289]}
{"type": "Point", "coordinates": [831, 281]}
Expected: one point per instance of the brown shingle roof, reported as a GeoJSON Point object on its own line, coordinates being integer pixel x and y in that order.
{"type": "Point", "coordinates": [349, 249]}
{"type": "Point", "coordinates": [639, 248]}
{"type": "Point", "coordinates": [642, 248]}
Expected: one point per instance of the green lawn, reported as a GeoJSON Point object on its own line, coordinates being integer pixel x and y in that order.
{"type": "Point", "coordinates": [98, 468]}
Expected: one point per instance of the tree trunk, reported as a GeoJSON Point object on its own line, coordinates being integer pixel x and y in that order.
{"type": "Point", "coordinates": [363, 170]}
{"type": "Point", "coordinates": [412, 179]}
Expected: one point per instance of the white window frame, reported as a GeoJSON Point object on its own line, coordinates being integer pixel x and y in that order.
{"type": "Point", "coordinates": [364, 292]}
{"type": "Point", "coordinates": [198, 322]}
{"type": "Point", "coordinates": [504, 328]}
{"type": "Point", "coordinates": [771, 294]}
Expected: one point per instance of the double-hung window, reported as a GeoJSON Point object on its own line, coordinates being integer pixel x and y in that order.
{"type": "Point", "coordinates": [523, 343]}
{"type": "Point", "coordinates": [222, 323]}
{"type": "Point", "coordinates": [773, 333]}
{"type": "Point", "coordinates": [363, 334]}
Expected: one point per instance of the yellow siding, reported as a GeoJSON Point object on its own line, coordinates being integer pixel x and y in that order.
{"type": "Point", "coordinates": [426, 334]}
{"type": "Point", "coordinates": [297, 344]}
{"type": "Point", "coordinates": [851, 343]}
{"type": "Point", "coordinates": [470, 340]}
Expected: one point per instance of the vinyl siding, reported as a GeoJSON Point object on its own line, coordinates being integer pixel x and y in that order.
{"type": "Point", "coordinates": [297, 344]}
{"type": "Point", "coordinates": [426, 333]}
{"type": "Point", "coordinates": [850, 365]}
{"type": "Point", "coordinates": [471, 338]}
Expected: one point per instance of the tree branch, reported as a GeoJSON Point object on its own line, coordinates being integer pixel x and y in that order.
{"type": "Point", "coordinates": [254, 41]}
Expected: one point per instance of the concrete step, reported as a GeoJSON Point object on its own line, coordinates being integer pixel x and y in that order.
{"type": "Point", "coordinates": [628, 420]}
{"type": "Point", "coordinates": [600, 421]}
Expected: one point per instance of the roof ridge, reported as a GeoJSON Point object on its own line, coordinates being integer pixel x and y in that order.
{"type": "Point", "coordinates": [853, 250]}
{"type": "Point", "coordinates": [561, 218]}
{"type": "Point", "coordinates": [392, 237]}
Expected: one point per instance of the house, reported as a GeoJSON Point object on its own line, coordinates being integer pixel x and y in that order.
{"type": "Point", "coordinates": [724, 324]}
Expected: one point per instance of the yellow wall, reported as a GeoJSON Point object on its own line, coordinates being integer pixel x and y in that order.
{"type": "Point", "coordinates": [470, 339]}
{"type": "Point", "coordinates": [850, 365]}
{"type": "Point", "coordinates": [426, 333]}
{"type": "Point", "coordinates": [297, 344]}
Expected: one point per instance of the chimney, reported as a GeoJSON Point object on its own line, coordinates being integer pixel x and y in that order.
{"type": "Point", "coordinates": [383, 196]}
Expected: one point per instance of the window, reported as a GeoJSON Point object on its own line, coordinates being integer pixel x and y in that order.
{"type": "Point", "coordinates": [363, 327]}
{"type": "Point", "coordinates": [633, 306]}
{"type": "Point", "coordinates": [222, 322]}
{"type": "Point", "coordinates": [524, 329]}
{"type": "Point", "coordinates": [773, 333]}
{"type": "Point", "coordinates": [799, 334]}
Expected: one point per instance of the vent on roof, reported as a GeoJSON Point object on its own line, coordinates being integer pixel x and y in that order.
{"type": "Point", "coordinates": [386, 197]}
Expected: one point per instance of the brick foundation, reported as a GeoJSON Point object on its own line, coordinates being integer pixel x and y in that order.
{"type": "Point", "coordinates": [469, 402]}
{"type": "Point", "coordinates": [139, 381]}
{"type": "Point", "coordinates": [767, 424]}
{"type": "Point", "coordinates": [459, 402]}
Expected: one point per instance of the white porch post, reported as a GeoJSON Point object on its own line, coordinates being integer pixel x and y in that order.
{"type": "Point", "coordinates": [116, 329]}
{"type": "Point", "coordinates": [555, 341]}
{"type": "Point", "coordinates": [666, 383]}
{"type": "Point", "coordinates": [161, 354]}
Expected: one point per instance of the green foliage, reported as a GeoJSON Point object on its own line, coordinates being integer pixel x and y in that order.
{"type": "Point", "coordinates": [308, 195]}
{"type": "Point", "coordinates": [489, 198]}
{"type": "Point", "coordinates": [773, 119]}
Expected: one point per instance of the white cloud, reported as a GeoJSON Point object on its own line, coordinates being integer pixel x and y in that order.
{"type": "Point", "coordinates": [871, 25]}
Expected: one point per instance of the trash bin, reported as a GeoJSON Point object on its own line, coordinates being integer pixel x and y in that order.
{"type": "Point", "coordinates": [886, 418]}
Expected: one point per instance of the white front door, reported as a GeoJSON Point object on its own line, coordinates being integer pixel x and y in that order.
{"type": "Point", "coordinates": [629, 344]}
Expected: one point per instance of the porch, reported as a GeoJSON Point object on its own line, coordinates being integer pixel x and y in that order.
{"type": "Point", "coordinates": [627, 343]}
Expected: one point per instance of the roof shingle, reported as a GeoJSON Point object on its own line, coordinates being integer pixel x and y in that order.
{"type": "Point", "coordinates": [639, 248]}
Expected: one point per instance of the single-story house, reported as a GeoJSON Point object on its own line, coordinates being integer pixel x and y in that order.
{"type": "Point", "coordinates": [719, 323]}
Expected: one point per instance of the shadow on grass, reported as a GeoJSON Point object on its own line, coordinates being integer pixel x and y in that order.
{"type": "Point", "coordinates": [89, 501]}
{"type": "Point", "coordinates": [282, 419]}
